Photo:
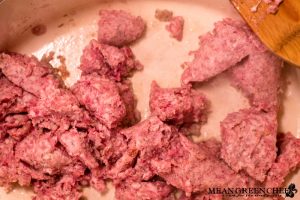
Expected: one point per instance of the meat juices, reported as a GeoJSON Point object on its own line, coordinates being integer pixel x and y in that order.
{"type": "Point", "coordinates": [119, 28]}
{"type": "Point", "coordinates": [175, 27]}
{"type": "Point", "coordinates": [249, 142]}
{"type": "Point", "coordinates": [101, 97]}
{"type": "Point", "coordinates": [178, 105]}
{"type": "Point", "coordinates": [163, 15]}
{"type": "Point", "coordinates": [219, 50]}
{"type": "Point", "coordinates": [109, 61]}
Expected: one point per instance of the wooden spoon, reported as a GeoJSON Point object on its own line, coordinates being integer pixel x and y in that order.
{"type": "Point", "coordinates": [280, 32]}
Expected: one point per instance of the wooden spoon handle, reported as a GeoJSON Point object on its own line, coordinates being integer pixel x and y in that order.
{"type": "Point", "coordinates": [279, 32]}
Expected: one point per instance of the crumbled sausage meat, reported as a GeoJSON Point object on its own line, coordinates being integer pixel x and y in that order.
{"type": "Point", "coordinates": [119, 28]}
{"type": "Point", "coordinates": [178, 105]}
{"type": "Point", "coordinates": [249, 141]}
{"type": "Point", "coordinates": [175, 27]}
{"type": "Point", "coordinates": [109, 61]}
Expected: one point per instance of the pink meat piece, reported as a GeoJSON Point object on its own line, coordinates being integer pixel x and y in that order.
{"type": "Point", "coordinates": [119, 28]}
{"type": "Point", "coordinates": [220, 49]}
{"type": "Point", "coordinates": [175, 27]}
{"type": "Point", "coordinates": [273, 8]}
{"type": "Point", "coordinates": [109, 61]}
{"type": "Point", "coordinates": [40, 152]}
{"type": "Point", "coordinates": [178, 105]}
{"type": "Point", "coordinates": [24, 103]}
{"type": "Point", "coordinates": [258, 77]}
{"type": "Point", "coordinates": [249, 141]}
{"type": "Point", "coordinates": [113, 148]}
{"type": "Point", "coordinates": [187, 167]}
{"type": "Point", "coordinates": [39, 79]}
{"type": "Point", "coordinates": [65, 189]}
{"type": "Point", "coordinates": [97, 181]}
{"type": "Point", "coordinates": [76, 145]}
{"type": "Point", "coordinates": [287, 161]}
{"type": "Point", "coordinates": [51, 123]}
{"type": "Point", "coordinates": [101, 97]}
{"type": "Point", "coordinates": [58, 101]}
{"type": "Point", "coordinates": [132, 114]}
{"type": "Point", "coordinates": [157, 190]}
{"type": "Point", "coordinates": [8, 164]}
{"type": "Point", "coordinates": [164, 152]}
{"type": "Point", "coordinates": [28, 73]}
{"type": "Point", "coordinates": [17, 126]}
{"type": "Point", "coordinates": [13, 171]}
{"type": "Point", "coordinates": [8, 96]}
{"type": "Point", "coordinates": [143, 139]}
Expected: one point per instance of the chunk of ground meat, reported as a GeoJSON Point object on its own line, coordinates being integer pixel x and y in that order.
{"type": "Point", "coordinates": [249, 141]}
{"type": "Point", "coordinates": [175, 27]}
{"type": "Point", "coordinates": [178, 105]}
{"type": "Point", "coordinates": [111, 148]}
{"type": "Point", "coordinates": [40, 152]}
{"type": "Point", "coordinates": [58, 101]}
{"type": "Point", "coordinates": [8, 164]}
{"type": "Point", "coordinates": [17, 126]}
{"type": "Point", "coordinates": [8, 95]}
{"type": "Point", "coordinates": [119, 28]}
{"type": "Point", "coordinates": [97, 180]}
{"type": "Point", "coordinates": [220, 49]}
{"type": "Point", "coordinates": [132, 114]}
{"type": "Point", "coordinates": [40, 80]}
{"type": "Point", "coordinates": [164, 152]}
{"type": "Point", "coordinates": [163, 15]}
{"type": "Point", "coordinates": [157, 190]}
{"type": "Point", "coordinates": [28, 73]}
{"type": "Point", "coordinates": [143, 141]}
{"type": "Point", "coordinates": [273, 7]}
{"type": "Point", "coordinates": [211, 146]}
{"type": "Point", "coordinates": [65, 189]}
{"type": "Point", "coordinates": [101, 97]}
{"type": "Point", "coordinates": [23, 103]}
{"type": "Point", "coordinates": [76, 145]}
{"type": "Point", "coordinates": [258, 76]}
{"type": "Point", "coordinates": [287, 160]}
{"type": "Point", "coordinates": [109, 61]}
{"type": "Point", "coordinates": [12, 170]}
{"type": "Point", "coordinates": [187, 167]}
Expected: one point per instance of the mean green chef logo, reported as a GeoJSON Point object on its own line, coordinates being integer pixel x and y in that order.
{"type": "Point", "coordinates": [291, 191]}
{"type": "Point", "coordinates": [288, 192]}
